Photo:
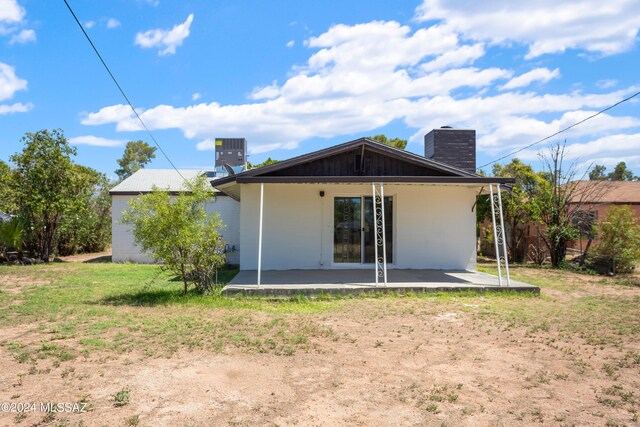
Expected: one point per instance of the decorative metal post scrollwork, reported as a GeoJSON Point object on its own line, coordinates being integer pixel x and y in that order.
{"type": "Point", "coordinates": [379, 232]}
{"type": "Point", "coordinates": [499, 235]}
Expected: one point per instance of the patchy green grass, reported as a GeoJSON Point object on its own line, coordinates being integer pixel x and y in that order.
{"type": "Point", "coordinates": [72, 310]}
{"type": "Point", "coordinates": [601, 310]}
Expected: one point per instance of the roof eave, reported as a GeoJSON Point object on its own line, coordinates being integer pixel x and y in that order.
{"type": "Point", "coordinates": [369, 179]}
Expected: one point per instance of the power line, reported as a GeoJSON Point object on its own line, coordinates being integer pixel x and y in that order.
{"type": "Point", "coordinates": [121, 90]}
{"type": "Point", "coordinates": [561, 130]}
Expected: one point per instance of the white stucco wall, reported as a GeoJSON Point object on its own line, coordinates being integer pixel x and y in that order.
{"type": "Point", "coordinates": [229, 211]}
{"type": "Point", "coordinates": [124, 249]}
{"type": "Point", "coordinates": [434, 226]}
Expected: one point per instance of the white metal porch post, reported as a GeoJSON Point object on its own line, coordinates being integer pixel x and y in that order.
{"type": "Point", "coordinates": [375, 224]}
{"type": "Point", "coordinates": [260, 233]}
{"type": "Point", "coordinates": [499, 233]}
{"type": "Point", "coordinates": [495, 232]}
{"type": "Point", "coordinates": [379, 233]}
{"type": "Point", "coordinates": [504, 238]}
{"type": "Point", "coordinates": [384, 239]}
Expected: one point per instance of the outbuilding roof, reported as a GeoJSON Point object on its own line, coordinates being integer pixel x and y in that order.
{"type": "Point", "coordinates": [144, 180]}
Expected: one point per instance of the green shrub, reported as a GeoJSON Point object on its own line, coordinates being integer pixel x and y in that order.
{"type": "Point", "coordinates": [12, 234]}
{"type": "Point", "coordinates": [179, 234]}
{"type": "Point", "coordinates": [619, 242]}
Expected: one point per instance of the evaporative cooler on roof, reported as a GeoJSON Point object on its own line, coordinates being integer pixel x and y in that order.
{"type": "Point", "coordinates": [231, 151]}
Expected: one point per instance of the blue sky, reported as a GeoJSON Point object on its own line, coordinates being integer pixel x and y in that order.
{"type": "Point", "coordinates": [293, 77]}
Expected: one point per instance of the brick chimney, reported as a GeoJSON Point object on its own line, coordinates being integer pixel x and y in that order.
{"type": "Point", "coordinates": [455, 147]}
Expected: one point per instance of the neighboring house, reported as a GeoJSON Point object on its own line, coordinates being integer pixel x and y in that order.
{"type": "Point", "coordinates": [594, 198]}
{"type": "Point", "coordinates": [589, 203]}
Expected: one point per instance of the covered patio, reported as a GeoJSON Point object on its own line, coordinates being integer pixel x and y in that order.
{"type": "Point", "coordinates": [363, 216]}
{"type": "Point", "coordinates": [288, 282]}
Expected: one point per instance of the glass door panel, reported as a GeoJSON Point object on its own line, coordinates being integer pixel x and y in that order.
{"type": "Point", "coordinates": [369, 230]}
{"type": "Point", "coordinates": [347, 223]}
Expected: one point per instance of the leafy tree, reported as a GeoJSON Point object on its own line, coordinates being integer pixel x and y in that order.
{"type": "Point", "coordinates": [562, 200]}
{"type": "Point", "coordinates": [136, 155]}
{"type": "Point", "coordinates": [522, 204]}
{"type": "Point", "coordinates": [6, 198]}
{"type": "Point", "coordinates": [267, 162]}
{"type": "Point", "coordinates": [598, 173]}
{"type": "Point", "coordinates": [620, 239]}
{"type": "Point", "coordinates": [43, 186]}
{"type": "Point", "coordinates": [395, 142]}
{"type": "Point", "coordinates": [86, 226]}
{"type": "Point", "coordinates": [179, 234]}
{"type": "Point", "coordinates": [620, 173]}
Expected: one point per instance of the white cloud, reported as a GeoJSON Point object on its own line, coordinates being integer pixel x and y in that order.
{"type": "Point", "coordinates": [9, 82]}
{"type": "Point", "coordinates": [377, 44]}
{"type": "Point", "coordinates": [112, 114]}
{"type": "Point", "coordinates": [291, 43]}
{"type": "Point", "coordinates": [196, 96]}
{"type": "Point", "coordinates": [265, 92]}
{"type": "Point", "coordinates": [89, 24]}
{"type": "Point", "coordinates": [18, 107]}
{"type": "Point", "coordinates": [362, 77]}
{"type": "Point", "coordinates": [542, 75]}
{"type": "Point", "coordinates": [113, 23]}
{"type": "Point", "coordinates": [466, 54]}
{"type": "Point", "coordinates": [545, 26]}
{"type": "Point", "coordinates": [24, 36]}
{"type": "Point", "coordinates": [165, 40]}
{"type": "Point", "coordinates": [11, 12]}
{"type": "Point", "coordinates": [96, 141]}
{"type": "Point", "coordinates": [504, 122]}
{"type": "Point", "coordinates": [618, 147]}
{"type": "Point", "coordinates": [606, 83]}
{"type": "Point", "coordinates": [206, 145]}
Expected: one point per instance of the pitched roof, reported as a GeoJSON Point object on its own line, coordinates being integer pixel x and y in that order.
{"type": "Point", "coordinates": [609, 191]}
{"type": "Point", "coordinates": [363, 143]}
{"type": "Point", "coordinates": [144, 180]}
{"type": "Point", "coordinates": [340, 164]}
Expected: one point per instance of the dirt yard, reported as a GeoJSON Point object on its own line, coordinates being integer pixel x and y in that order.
{"type": "Point", "coordinates": [570, 357]}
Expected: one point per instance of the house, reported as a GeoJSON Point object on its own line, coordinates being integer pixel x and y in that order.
{"type": "Point", "coordinates": [594, 198]}
{"type": "Point", "coordinates": [230, 157]}
{"type": "Point", "coordinates": [326, 210]}
{"type": "Point", "coordinates": [588, 204]}
{"type": "Point", "coordinates": [320, 210]}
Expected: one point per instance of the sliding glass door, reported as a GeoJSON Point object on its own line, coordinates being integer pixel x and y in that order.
{"type": "Point", "coordinates": [354, 230]}
{"type": "Point", "coordinates": [347, 225]}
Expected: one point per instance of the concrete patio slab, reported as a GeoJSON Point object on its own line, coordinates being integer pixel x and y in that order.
{"type": "Point", "coordinates": [289, 282]}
